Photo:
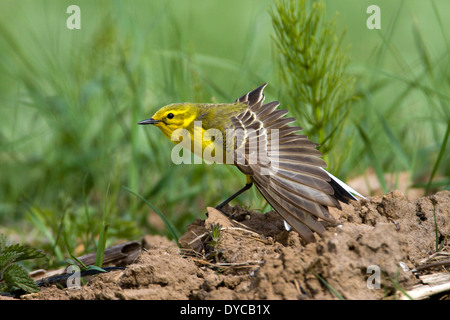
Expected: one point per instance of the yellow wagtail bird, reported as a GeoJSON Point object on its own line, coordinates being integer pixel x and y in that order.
{"type": "Point", "coordinates": [285, 166]}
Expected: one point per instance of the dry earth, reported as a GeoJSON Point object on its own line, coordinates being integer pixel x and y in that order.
{"type": "Point", "coordinates": [255, 258]}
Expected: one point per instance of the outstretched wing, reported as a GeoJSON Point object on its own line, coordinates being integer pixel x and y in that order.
{"type": "Point", "coordinates": [285, 167]}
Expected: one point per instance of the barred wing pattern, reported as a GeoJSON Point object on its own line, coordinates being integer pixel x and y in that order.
{"type": "Point", "coordinates": [288, 171]}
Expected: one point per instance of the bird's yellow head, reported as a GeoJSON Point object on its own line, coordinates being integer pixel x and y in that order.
{"type": "Point", "coordinates": [172, 117]}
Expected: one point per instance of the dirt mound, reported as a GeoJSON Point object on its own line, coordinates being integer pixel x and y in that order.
{"type": "Point", "coordinates": [370, 254]}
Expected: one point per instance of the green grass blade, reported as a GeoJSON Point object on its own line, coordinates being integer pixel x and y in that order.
{"type": "Point", "coordinates": [89, 238]}
{"type": "Point", "coordinates": [441, 26]}
{"type": "Point", "coordinates": [101, 245]}
{"type": "Point", "coordinates": [82, 265]}
{"type": "Point", "coordinates": [394, 143]}
{"type": "Point", "coordinates": [422, 49]}
{"type": "Point", "coordinates": [373, 158]}
{"type": "Point", "coordinates": [439, 158]}
{"type": "Point", "coordinates": [86, 268]}
{"type": "Point", "coordinates": [37, 217]}
{"type": "Point", "coordinates": [442, 183]}
{"type": "Point", "coordinates": [95, 268]}
{"type": "Point", "coordinates": [381, 52]}
{"type": "Point", "coordinates": [168, 224]}
{"type": "Point", "coordinates": [337, 294]}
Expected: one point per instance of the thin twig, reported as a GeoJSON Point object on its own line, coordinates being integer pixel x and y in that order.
{"type": "Point", "coordinates": [436, 254]}
{"type": "Point", "coordinates": [432, 265]}
{"type": "Point", "coordinates": [198, 237]}
{"type": "Point", "coordinates": [240, 229]}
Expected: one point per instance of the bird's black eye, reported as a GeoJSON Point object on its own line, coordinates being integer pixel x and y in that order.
{"type": "Point", "coordinates": [170, 116]}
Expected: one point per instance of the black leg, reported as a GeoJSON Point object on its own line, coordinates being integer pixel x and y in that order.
{"type": "Point", "coordinates": [246, 187]}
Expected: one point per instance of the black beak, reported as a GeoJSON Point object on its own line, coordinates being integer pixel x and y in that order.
{"type": "Point", "coordinates": [149, 121]}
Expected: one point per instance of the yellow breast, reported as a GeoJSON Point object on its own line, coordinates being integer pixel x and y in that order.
{"type": "Point", "coordinates": [208, 144]}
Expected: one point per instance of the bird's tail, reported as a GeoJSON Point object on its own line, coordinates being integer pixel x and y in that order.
{"type": "Point", "coordinates": [342, 191]}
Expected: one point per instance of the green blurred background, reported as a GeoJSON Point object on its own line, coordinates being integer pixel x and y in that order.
{"type": "Point", "coordinates": [70, 101]}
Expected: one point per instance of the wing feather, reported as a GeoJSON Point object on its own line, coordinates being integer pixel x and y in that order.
{"type": "Point", "coordinates": [289, 170]}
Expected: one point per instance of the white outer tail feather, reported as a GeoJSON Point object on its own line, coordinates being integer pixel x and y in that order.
{"type": "Point", "coordinates": [343, 185]}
